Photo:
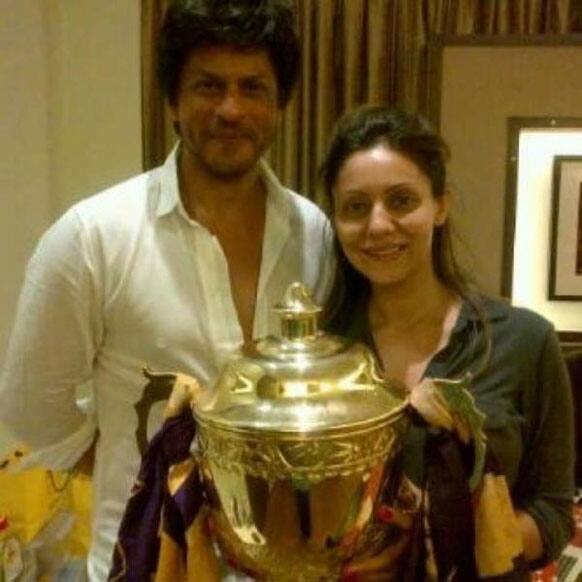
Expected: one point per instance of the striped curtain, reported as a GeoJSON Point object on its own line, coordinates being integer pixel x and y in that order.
{"type": "Point", "coordinates": [354, 52]}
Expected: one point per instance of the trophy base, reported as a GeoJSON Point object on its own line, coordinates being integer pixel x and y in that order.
{"type": "Point", "coordinates": [294, 507]}
{"type": "Point", "coordinates": [298, 535]}
{"type": "Point", "coordinates": [308, 567]}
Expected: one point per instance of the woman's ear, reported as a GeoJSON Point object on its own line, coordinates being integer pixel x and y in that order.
{"type": "Point", "coordinates": [443, 204]}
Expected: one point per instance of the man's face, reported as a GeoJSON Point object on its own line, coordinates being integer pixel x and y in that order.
{"type": "Point", "coordinates": [226, 109]}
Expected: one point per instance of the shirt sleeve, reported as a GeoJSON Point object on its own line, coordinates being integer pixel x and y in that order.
{"type": "Point", "coordinates": [549, 465]}
{"type": "Point", "coordinates": [54, 340]}
{"type": "Point", "coordinates": [327, 261]}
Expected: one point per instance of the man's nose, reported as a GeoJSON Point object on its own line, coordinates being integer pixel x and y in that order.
{"type": "Point", "coordinates": [380, 220]}
{"type": "Point", "coordinates": [230, 107]}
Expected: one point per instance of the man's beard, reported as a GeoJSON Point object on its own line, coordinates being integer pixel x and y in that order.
{"type": "Point", "coordinates": [226, 169]}
{"type": "Point", "coordinates": [215, 160]}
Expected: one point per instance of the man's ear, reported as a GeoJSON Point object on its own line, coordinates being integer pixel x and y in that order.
{"type": "Point", "coordinates": [173, 114]}
{"type": "Point", "coordinates": [443, 205]}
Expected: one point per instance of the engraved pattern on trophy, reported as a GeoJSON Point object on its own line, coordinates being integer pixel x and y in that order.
{"type": "Point", "coordinates": [280, 458]}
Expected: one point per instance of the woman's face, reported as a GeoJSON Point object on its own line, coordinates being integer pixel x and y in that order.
{"type": "Point", "coordinates": [385, 214]}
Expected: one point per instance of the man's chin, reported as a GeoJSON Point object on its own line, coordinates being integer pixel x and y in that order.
{"type": "Point", "coordinates": [230, 168]}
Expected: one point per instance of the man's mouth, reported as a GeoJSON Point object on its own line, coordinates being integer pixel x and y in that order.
{"type": "Point", "coordinates": [230, 133]}
{"type": "Point", "coordinates": [229, 136]}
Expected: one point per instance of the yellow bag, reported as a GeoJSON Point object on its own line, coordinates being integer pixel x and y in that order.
{"type": "Point", "coordinates": [33, 499]}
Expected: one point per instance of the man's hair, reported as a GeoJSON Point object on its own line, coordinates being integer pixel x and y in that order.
{"type": "Point", "coordinates": [245, 24]}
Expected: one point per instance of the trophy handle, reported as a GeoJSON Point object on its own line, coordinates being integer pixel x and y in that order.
{"type": "Point", "coordinates": [461, 403]}
{"type": "Point", "coordinates": [179, 390]}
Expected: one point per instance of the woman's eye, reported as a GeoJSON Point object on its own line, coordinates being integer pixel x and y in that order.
{"type": "Point", "coordinates": [402, 202]}
{"type": "Point", "coordinates": [354, 209]}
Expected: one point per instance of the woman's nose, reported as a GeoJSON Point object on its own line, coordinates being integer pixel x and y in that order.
{"type": "Point", "coordinates": [380, 221]}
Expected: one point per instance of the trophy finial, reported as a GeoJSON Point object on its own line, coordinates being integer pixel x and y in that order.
{"type": "Point", "coordinates": [298, 313]}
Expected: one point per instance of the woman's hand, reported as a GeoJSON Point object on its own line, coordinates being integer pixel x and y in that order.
{"type": "Point", "coordinates": [449, 405]}
{"type": "Point", "coordinates": [396, 523]}
{"type": "Point", "coordinates": [428, 400]}
{"type": "Point", "coordinates": [531, 537]}
{"type": "Point", "coordinates": [387, 564]}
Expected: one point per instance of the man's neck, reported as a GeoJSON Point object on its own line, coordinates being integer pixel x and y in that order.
{"type": "Point", "coordinates": [211, 199]}
{"type": "Point", "coordinates": [234, 211]}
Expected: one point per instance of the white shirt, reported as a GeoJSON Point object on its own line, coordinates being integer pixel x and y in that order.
{"type": "Point", "coordinates": [124, 279]}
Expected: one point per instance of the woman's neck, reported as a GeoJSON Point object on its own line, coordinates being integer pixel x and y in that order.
{"type": "Point", "coordinates": [410, 324]}
{"type": "Point", "coordinates": [412, 303]}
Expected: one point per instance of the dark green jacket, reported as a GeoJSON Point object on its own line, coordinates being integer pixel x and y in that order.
{"type": "Point", "coordinates": [525, 392]}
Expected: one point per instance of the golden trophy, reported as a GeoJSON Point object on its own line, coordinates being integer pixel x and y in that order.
{"type": "Point", "coordinates": [296, 443]}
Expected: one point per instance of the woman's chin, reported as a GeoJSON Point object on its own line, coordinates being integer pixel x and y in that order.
{"type": "Point", "coordinates": [382, 273]}
{"type": "Point", "coordinates": [385, 279]}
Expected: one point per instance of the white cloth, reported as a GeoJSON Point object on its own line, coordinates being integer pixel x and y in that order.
{"type": "Point", "coordinates": [124, 279]}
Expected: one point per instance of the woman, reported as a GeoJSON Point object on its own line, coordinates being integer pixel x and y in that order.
{"type": "Point", "coordinates": [399, 289]}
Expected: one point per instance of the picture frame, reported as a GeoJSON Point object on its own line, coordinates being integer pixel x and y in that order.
{"type": "Point", "coordinates": [532, 144]}
{"type": "Point", "coordinates": [565, 265]}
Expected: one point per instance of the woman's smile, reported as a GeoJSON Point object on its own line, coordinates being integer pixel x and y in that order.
{"type": "Point", "coordinates": [384, 252]}
{"type": "Point", "coordinates": [385, 215]}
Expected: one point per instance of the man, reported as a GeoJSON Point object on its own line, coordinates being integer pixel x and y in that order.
{"type": "Point", "coordinates": [174, 268]}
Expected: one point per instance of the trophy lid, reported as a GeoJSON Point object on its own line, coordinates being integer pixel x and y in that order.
{"type": "Point", "coordinates": [301, 381]}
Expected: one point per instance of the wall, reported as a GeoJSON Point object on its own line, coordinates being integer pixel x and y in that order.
{"type": "Point", "coordinates": [94, 96]}
{"type": "Point", "coordinates": [481, 87]}
{"type": "Point", "coordinates": [70, 120]}
{"type": "Point", "coordinates": [24, 145]}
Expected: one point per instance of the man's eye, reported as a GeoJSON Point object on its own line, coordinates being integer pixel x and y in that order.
{"type": "Point", "coordinates": [255, 88]}
{"type": "Point", "coordinates": [207, 86]}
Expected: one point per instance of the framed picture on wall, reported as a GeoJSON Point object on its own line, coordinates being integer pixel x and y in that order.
{"type": "Point", "coordinates": [565, 276]}
{"type": "Point", "coordinates": [542, 220]}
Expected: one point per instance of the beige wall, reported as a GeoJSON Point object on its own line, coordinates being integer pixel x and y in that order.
{"type": "Point", "coordinates": [24, 145]}
{"type": "Point", "coordinates": [70, 120]}
{"type": "Point", "coordinates": [481, 88]}
{"type": "Point", "coordinates": [70, 104]}
{"type": "Point", "coordinates": [94, 95]}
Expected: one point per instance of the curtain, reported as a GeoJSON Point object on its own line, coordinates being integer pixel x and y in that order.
{"type": "Point", "coordinates": [354, 52]}
{"type": "Point", "coordinates": [157, 130]}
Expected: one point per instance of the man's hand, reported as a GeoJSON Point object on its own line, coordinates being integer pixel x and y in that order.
{"type": "Point", "coordinates": [84, 466]}
{"type": "Point", "coordinates": [185, 393]}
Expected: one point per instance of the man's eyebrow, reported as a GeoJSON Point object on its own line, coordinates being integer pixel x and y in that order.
{"type": "Point", "coordinates": [255, 77]}
{"type": "Point", "coordinates": [203, 73]}
{"type": "Point", "coordinates": [219, 77]}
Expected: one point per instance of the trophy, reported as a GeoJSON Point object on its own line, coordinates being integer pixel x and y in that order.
{"type": "Point", "coordinates": [297, 443]}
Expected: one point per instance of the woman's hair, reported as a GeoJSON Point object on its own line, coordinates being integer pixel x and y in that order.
{"type": "Point", "coordinates": [245, 24]}
{"type": "Point", "coordinates": [413, 137]}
